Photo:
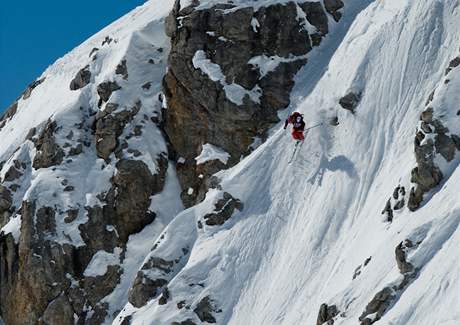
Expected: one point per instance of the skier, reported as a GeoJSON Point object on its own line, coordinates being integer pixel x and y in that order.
{"type": "Point", "coordinates": [298, 126]}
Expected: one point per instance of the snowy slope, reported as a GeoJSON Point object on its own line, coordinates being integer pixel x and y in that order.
{"type": "Point", "coordinates": [139, 39]}
{"type": "Point", "coordinates": [306, 227]}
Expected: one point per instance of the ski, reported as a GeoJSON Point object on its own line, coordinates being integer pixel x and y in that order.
{"type": "Point", "coordinates": [298, 144]}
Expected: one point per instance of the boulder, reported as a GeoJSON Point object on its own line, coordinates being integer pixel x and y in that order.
{"type": "Point", "coordinates": [48, 151]}
{"type": "Point", "coordinates": [326, 314]}
{"type": "Point", "coordinates": [82, 79]}
{"type": "Point", "coordinates": [350, 101]}
{"type": "Point", "coordinates": [105, 90]}
{"type": "Point", "coordinates": [122, 69]}
{"type": "Point", "coordinates": [224, 209]}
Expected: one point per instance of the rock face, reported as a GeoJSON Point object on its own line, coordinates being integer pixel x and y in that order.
{"type": "Point", "coordinates": [427, 175]}
{"type": "Point", "coordinates": [224, 209]}
{"type": "Point", "coordinates": [106, 89]}
{"type": "Point", "coordinates": [239, 102]}
{"type": "Point", "coordinates": [9, 113]}
{"type": "Point", "coordinates": [109, 126]}
{"type": "Point", "coordinates": [82, 79]}
{"type": "Point", "coordinates": [26, 94]}
{"type": "Point", "coordinates": [205, 309]}
{"type": "Point", "coordinates": [48, 152]}
{"type": "Point", "coordinates": [326, 314]}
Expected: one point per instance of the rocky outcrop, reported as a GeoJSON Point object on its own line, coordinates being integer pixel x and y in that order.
{"type": "Point", "coordinates": [109, 126]}
{"type": "Point", "coordinates": [377, 306]}
{"type": "Point", "coordinates": [26, 94]}
{"type": "Point", "coordinates": [6, 201]}
{"type": "Point", "coordinates": [386, 297]}
{"type": "Point", "coordinates": [326, 314]}
{"type": "Point", "coordinates": [82, 79]}
{"type": "Point", "coordinates": [350, 101]}
{"type": "Point", "coordinates": [9, 113]}
{"type": "Point", "coordinates": [240, 102]}
{"type": "Point", "coordinates": [129, 197]}
{"type": "Point", "coordinates": [224, 209]}
{"type": "Point", "coordinates": [205, 310]}
{"type": "Point", "coordinates": [400, 252]}
{"type": "Point", "coordinates": [122, 69]}
{"type": "Point", "coordinates": [396, 202]}
{"type": "Point", "coordinates": [431, 139]}
{"type": "Point", "coordinates": [144, 289]}
{"type": "Point", "coordinates": [105, 90]}
{"type": "Point", "coordinates": [333, 7]}
{"type": "Point", "coordinates": [48, 151]}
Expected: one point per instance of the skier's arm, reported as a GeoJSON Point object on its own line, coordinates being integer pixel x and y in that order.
{"type": "Point", "coordinates": [286, 123]}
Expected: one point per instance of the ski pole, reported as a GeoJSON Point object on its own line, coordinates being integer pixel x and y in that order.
{"type": "Point", "coordinates": [314, 126]}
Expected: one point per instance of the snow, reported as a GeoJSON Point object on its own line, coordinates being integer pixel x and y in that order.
{"type": "Point", "coordinates": [211, 152]}
{"type": "Point", "coordinates": [306, 226]}
{"type": "Point", "coordinates": [267, 64]}
{"type": "Point", "coordinates": [233, 91]}
{"type": "Point", "coordinates": [13, 227]}
{"type": "Point", "coordinates": [255, 24]}
{"type": "Point", "coordinates": [100, 261]}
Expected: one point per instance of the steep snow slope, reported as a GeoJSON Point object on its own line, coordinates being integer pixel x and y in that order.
{"type": "Point", "coordinates": [306, 227]}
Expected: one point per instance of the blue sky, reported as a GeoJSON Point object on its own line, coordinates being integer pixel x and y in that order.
{"type": "Point", "coordinates": [34, 34]}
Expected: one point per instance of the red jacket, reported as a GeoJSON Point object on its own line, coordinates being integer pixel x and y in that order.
{"type": "Point", "coordinates": [297, 126]}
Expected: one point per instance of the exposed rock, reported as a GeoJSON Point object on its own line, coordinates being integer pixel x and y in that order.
{"type": "Point", "coordinates": [98, 287]}
{"type": "Point", "coordinates": [453, 64]}
{"type": "Point", "coordinates": [144, 289]}
{"type": "Point", "coordinates": [94, 50]}
{"type": "Point", "coordinates": [224, 209]}
{"type": "Point", "coordinates": [107, 40]}
{"type": "Point", "coordinates": [205, 309]}
{"type": "Point", "coordinates": [110, 125]}
{"type": "Point", "coordinates": [388, 211]}
{"type": "Point", "coordinates": [122, 69]}
{"type": "Point", "coordinates": [82, 78]}
{"type": "Point", "coordinates": [5, 199]}
{"type": "Point", "coordinates": [333, 7]}
{"type": "Point", "coordinates": [59, 311]}
{"type": "Point", "coordinates": [326, 314]}
{"type": "Point", "coordinates": [48, 152]}
{"type": "Point", "coordinates": [132, 187]}
{"type": "Point", "coordinates": [199, 110]}
{"type": "Point", "coordinates": [164, 297]}
{"type": "Point", "coordinates": [72, 215]}
{"type": "Point", "coordinates": [105, 89]}
{"type": "Point", "coordinates": [26, 94]}
{"type": "Point", "coordinates": [185, 322]}
{"type": "Point", "coordinates": [76, 150]}
{"type": "Point", "coordinates": [146, 86]}
{"type": "Point", "coordinates": [49, 261]}
{"type": "Point", "coordinates": [12, 174]}
{"type": "Point", "coordinates": [350, 101]}
{"type": "Point", "coordinates": [379, 304]}
{"type": "Point", "coordinates": [400, 253]}
{"type": "Point", "coordinates": [9, 113]}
